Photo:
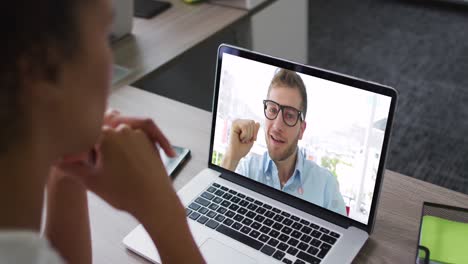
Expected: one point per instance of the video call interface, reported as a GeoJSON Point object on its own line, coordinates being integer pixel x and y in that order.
{"type": "Point", "coordinates": [312, 138]}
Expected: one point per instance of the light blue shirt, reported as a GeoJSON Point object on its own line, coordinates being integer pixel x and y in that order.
{"type": "Point", "coordinates": [309, 181]}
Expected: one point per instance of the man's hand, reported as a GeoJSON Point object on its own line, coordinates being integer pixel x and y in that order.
{"type": "Point", "coordinates": [243, 134]}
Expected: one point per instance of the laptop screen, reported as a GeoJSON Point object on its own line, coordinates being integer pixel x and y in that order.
{"type": "Point", "coordinates": [312, 138]}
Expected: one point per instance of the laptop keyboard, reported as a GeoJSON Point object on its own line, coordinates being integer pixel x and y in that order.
{"type": "Point", "coordinates": [263, 227]}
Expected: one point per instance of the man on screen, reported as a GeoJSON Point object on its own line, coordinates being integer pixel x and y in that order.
{"type": "Point", "coordinates": [284, 166]}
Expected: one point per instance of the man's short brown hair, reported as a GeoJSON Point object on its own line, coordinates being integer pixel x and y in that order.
{"type": "Point", "coordinates": [291, 79]}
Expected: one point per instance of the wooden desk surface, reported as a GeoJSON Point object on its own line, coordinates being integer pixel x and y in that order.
{"type": "Point", "coordinates": [395, 234]}
{"type": "Point", "coordinates": [156, 42]}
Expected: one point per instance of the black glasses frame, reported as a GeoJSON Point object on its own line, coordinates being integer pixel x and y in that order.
{"type": "Point", "coordinates": [300, 115]}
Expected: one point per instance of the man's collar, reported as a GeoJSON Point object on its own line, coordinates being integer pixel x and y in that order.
{"type": "Point", "coordinates": [268, 163]}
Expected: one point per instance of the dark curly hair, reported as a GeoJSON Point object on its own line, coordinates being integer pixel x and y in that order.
{"type": "Point", "coordinates": [30, 31]}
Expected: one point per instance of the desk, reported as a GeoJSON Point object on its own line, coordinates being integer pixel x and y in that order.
{"type": "Point", "coordinates": [155, 43]}
{"type": "Point", "coordinates": [396, 229]}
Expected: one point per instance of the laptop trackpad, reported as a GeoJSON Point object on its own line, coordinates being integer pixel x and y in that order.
{"type": "Point", "coordinates": [216, 252]}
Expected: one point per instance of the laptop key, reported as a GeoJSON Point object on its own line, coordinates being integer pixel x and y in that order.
{"type": "Point", "coordinates": [270, 214]}
{"type": "Point", "coordinates": [244, 203]}
{"type": "Point", "coordinates": [285, 214]}
{"type": "Point", "coordinates": [203, 210]}
{"type": "Point", "coordinates": [306, 238]}
{"type": "Point", "coordinates": [303, 246]}
{"type": "Point", "coordinates": [328, 239]}
{"type": "Point", "coordinates": [216, 185]}
{"type": "Point", "coordinates": [217, 200]}
{"type": "Point", "coordinates": [219, 193]}
{"type": "Point", "coordinates": [267, 250]}
{"type": "Point", "coordinates": [259, 218]}
{"type": "Point", "coordinates": [257, 202]}
{"type": "Point", "coordinates": [260, 210]}
{"type": "Point", "coordinates": [239, 237]}
{"type": "Point", "coordinates": [246, 230]}
{"type": "Point", "coordinates": [308, 258]}
{"type": "Point", "coordinates": [251, 214]}
{"type": "Point", "coordinates": [227, 196]}
{"type": "Point", "coordinates": [238, 217]}
{"type": "Point", "coordinates": [213, 206]}
{"type": "Point", "coordinates": [194, 206]}
{"type": "Point", "coordinates": [324, 230]}
{"type": "Point", "coordinates": [211, 189]}
{"type": "Point", "coordinates": [221, 210]}
{"type": "Point", "coordinates": [297, 226]}
{"type": "Point", "coordinates": [295, 218]}
{"type": "Point", "coordinates": [305, 222]}
{"type": "Point", "coordinates": [202, 201]}
{"type": "Point", "coordinates": [278, 218]}
{"type": "Point", "coordinates": [265, 229]}
{"type": "Point", "coordinates": [277, 226]}
{"type": "Point", "coordinates": [282, 246]}
{"type": "Point", "coordinates": [273, 242]}
{"type": "Point", "coordinates": [313, 251]}
{"type": "Point", "coordinates": [236, 226]}
{"type": "Point", "coordinates": [187, 212]}
{"type": "Point", "coordinates": [242, 211]}
{"type": "Point", "coordinates": [286, 230]}
{"type": "Point", "coordinates": [306, 230]}
{"type": "Point", "coordinates": [230, 214]}
{"type": "Point", "coordinates": [247, 221]}
{"type": "Point", "coordinates": [228, 222]}
{"type": "Point", "coordinates": [224, 188]}
{"type": "Point", "coordinates": [263, 238]}
{"type": "Point", "coordinates": [211, 214]}
{"type": "Point", "coordinates": [235, 199]}
{"type": "Point", "coordinates": [298, 261]}
{"type": "Point", "coordinates": [241, 195]}
{"type": "Point", "coordinates": [202, 220]}
{"type": "Point", "coordinates": [268, 222]}
{"type": "Point", "coordinates": [293, 242]}
{"type": "Point", "coordinates": [249, 199]}
{"type": "Point", "coordinates": [252, 207]}
{"type": "Point", "coordinates": [335, 235]}
{"type": "Point", "coordinates": [283, 237]}
{"type": "Point", "coordinates": [276, 210]}
{"type": "Point", "coordinates": [279, 255]}
{"type": "Point", "coordinates": [232, 192]}
{"type": "Point", "coordinates": [322, 253]}
{"type": "Point", "coordinates": [296, 234]}
{"type": "Point", "coordinates": [207, 196]}
{"type": "Point", "coordinates": [225, 203]}
{"type": "Point", "coordinates": [212, 224]}
{"type": "Point", "coordinates": [315, 243]}
{"type": "Point", "coordinates": [254, 234]}
{"type": "Point", "coordinates": [292, 251]}
{"type": "Point", "coordinates": [316, 234]}
{"type": "Point", "coordinates": [274, 233]}
{"type": "Point", "coordinates": [287, 222]}
{"type": "Point", "coordinates": [287, 261]}
{"type": "Point", "coordinates": [267, 206]}
{"type": "Point", "coordinates": [220, 218]}
{"type": "Point", "coordinates": [256, 225]}
{"type": "Point", "coordinates": [314, 226]}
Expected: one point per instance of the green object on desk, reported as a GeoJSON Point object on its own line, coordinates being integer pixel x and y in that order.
{"type": "Point", "coordinates": [446, 240]}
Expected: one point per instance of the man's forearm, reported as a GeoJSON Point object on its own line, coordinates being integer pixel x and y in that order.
{"type": "Point", "coordinates": [67, 225]}
{"type": "Point", "coordinates": [229, 163]}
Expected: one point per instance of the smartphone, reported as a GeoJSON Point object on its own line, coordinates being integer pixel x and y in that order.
{"type": "Point", "coordinates": [172, 164]}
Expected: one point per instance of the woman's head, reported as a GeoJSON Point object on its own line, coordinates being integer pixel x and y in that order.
{"type": "Point", "coordinates": [55, 71]}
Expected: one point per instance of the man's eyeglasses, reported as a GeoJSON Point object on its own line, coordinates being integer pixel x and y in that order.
{"type": "Point", "coordinates": [290, 114]}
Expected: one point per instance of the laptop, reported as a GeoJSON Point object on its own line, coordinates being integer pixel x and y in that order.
{"type": "Point", "coordinates": [253, 209]}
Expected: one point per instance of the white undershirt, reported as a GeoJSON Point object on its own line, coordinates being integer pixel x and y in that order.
{"type": "Point", "coordinates": [26, 247]}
